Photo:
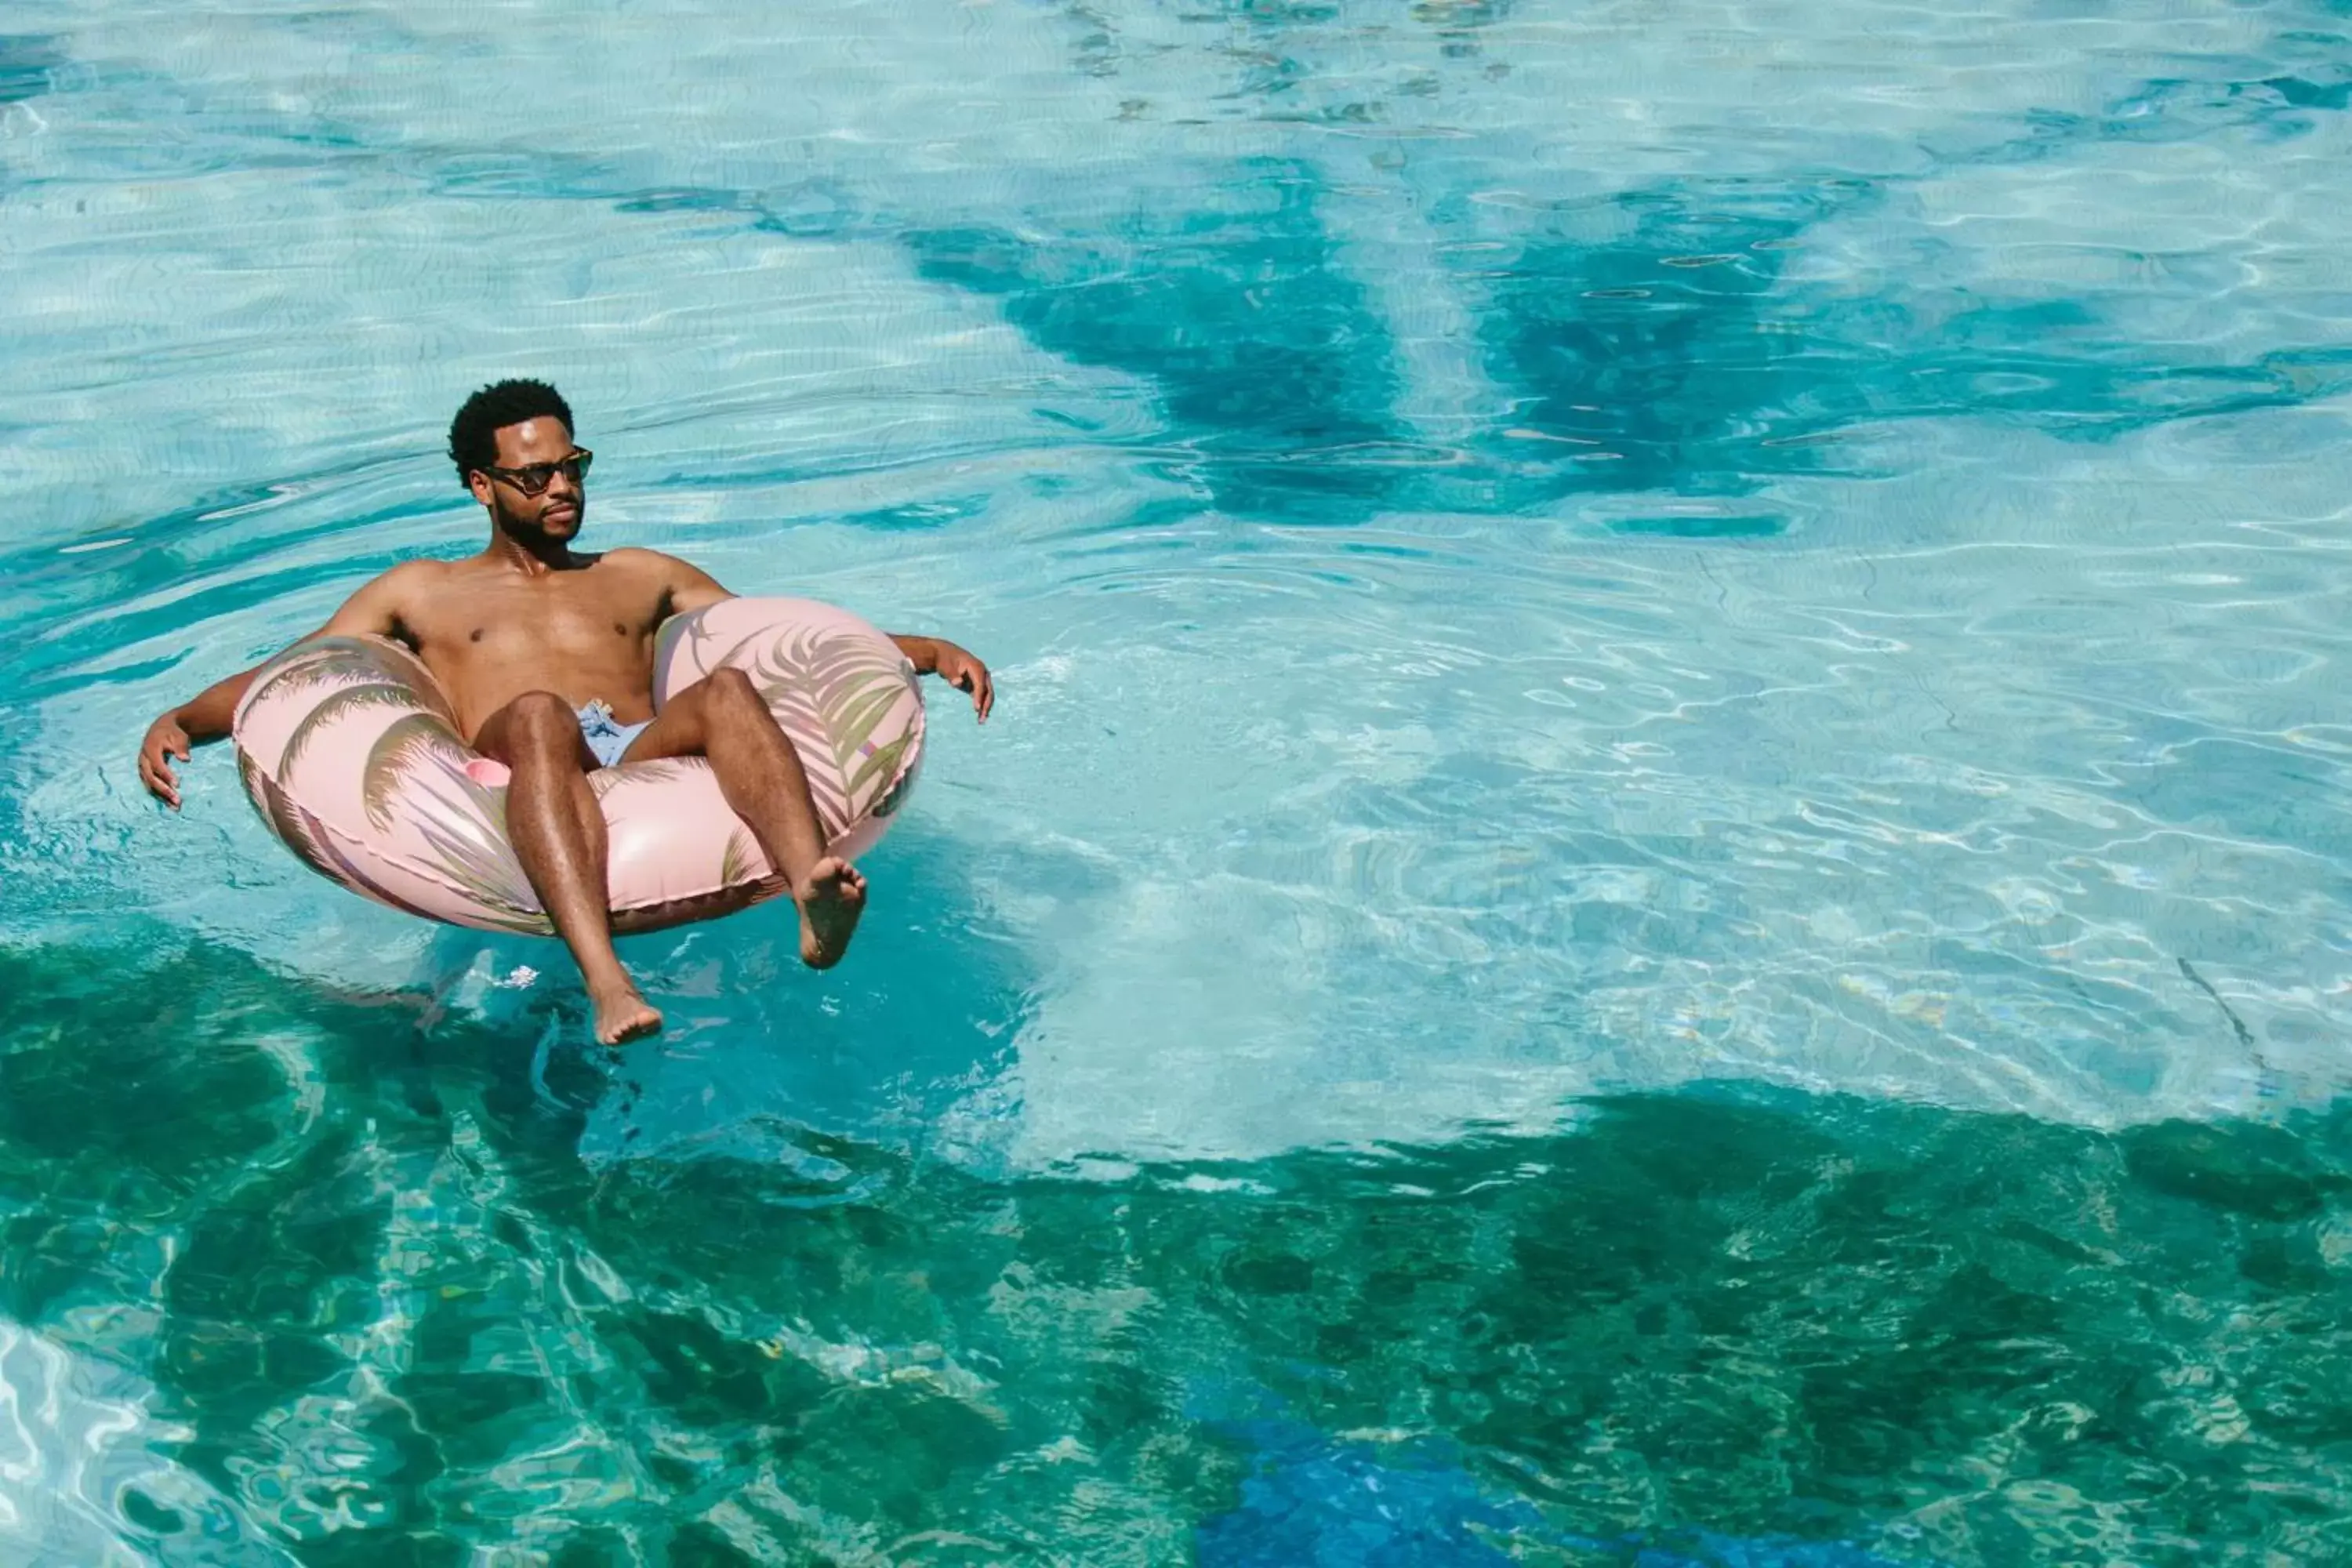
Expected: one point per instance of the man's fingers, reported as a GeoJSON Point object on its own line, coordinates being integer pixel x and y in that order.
{"type": "Point", "coordinates": [158, 779]}
{"type": "Point", "coordinates": [969, 675]}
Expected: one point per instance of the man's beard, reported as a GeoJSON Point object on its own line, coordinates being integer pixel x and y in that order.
{"type": "Point", "coordinates": [530, 527]}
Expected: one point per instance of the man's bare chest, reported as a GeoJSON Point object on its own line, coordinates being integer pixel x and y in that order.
{"type": "Point", "coordinates": [536, 621]}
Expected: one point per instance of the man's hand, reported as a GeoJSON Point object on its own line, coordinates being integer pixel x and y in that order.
{"type": "Point", "coordinates": [964, 671]}
{"type": "Point", "coordinates": [165, 739]}
{"type": "Point", "coordinates": [375, 611]}
{"type": "Point", "coordinates": [957, 667]}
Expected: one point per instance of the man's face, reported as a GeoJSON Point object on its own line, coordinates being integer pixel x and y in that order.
{"type": "Point", "coordinates": [528, 453]}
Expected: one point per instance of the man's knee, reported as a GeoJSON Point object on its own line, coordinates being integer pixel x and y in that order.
{"type": "Point", "coordinates": [731, 689]}
{"type": "Point", "coordinates": [542, 719]}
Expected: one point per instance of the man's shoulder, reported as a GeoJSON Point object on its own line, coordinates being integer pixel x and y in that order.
{"type": "Point", "coordinates": [654, 570]}
{"type": "Point", "coordinates": [404, 580]}
{"type": "Point", "coordinates": [634, 558]}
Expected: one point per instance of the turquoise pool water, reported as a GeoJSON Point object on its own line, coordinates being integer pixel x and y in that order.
{"type": "Point", "coordinates": [1664, 874]}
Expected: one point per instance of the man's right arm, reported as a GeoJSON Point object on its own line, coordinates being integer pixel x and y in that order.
{"type": "Point", "coordinates": [207, 717]}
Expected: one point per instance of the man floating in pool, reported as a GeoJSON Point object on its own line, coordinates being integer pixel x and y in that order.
{"type": "Point", "coordinates": [548, 655]}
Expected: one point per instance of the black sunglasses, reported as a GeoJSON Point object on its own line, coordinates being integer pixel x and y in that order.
{"type": "Point", "coordinates": [534, 478]}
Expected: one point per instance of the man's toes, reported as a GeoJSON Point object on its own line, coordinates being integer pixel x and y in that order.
{"type": "Point", "coordinates": [830, 880]}
{"type": "Point", "coordinates": [625, 1019]}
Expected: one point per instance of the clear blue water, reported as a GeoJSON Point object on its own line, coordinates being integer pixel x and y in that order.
{"type": "Point", "coordinates": [1665, 874]}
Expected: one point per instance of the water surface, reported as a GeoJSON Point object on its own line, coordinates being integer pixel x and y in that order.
{"type": "Point", "coordinates": [1664, 868]}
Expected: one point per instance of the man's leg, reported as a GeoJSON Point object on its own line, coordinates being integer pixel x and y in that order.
{"type": "Point", "coordinates": [721, 718]}
{"type": "Point", "coordinates": [559, 836]}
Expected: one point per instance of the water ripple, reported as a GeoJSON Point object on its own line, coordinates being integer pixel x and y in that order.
{"type": "Point", "coordinates": [1547, 570]}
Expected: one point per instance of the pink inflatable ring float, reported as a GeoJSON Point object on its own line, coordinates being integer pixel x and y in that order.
{"type": "Point", "coordinates": [351, 755]}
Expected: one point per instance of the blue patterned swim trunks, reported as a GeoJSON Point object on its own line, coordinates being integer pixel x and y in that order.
{"type": "Point", "coordinates": [608, 738]}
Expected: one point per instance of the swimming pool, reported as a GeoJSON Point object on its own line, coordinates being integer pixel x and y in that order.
{"type": "Point", "coordinates": [1664, 864]}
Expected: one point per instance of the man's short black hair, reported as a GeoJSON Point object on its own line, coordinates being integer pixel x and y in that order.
{"type": "Point", "coordinates": [473, 433]}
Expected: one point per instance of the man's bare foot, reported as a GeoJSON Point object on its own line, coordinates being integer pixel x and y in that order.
{"type": "Point", "coordinates": [831, 899]}
{"type": "Point", "coordinates": [622, 1015]}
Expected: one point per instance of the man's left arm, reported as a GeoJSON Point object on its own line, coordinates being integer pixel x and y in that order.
{"type": "Point", "coordinates": [690, 588]}
{"type": "Point", "coordinates": [957, 666]}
